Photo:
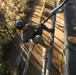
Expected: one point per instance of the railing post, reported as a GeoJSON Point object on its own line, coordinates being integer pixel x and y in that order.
{"type": "Point", "coordinates": [44, 61]}
{"type": "Point", "coordinates": [66, 51]}
{"type": "Point", "coordinates": [49, 62]}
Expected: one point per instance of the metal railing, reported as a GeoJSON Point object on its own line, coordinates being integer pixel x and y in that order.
{"type": "Point", "coordinates": [49, 61]}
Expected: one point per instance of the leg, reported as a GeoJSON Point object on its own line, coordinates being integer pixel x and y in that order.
{"type": "Point", "coordinates": [38, 40]}
{"type": "Point", "coordinates": [47, 29]}
{"type": "Point", "coordinates": [41, 27]}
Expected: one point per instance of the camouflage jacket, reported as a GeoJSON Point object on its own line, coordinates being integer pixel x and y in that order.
{"type": "Point", "coordinates": [31, 32]}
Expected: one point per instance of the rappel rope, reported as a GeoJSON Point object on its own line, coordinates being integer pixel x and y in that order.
{"type": "Point", "coordinates": [31, 45]}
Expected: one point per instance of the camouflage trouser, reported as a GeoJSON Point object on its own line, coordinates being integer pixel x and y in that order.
{"type": "Point", "coordinates": [35, 33]}
{"type": "Point", "coordinates": [37, 39]}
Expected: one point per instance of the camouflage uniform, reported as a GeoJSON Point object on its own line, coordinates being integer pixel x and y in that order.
{"type": "Point", "coordinates": [34, 32]}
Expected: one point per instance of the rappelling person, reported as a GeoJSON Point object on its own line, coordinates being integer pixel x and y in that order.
{"type": "Point", "coordinates": [33, 32]}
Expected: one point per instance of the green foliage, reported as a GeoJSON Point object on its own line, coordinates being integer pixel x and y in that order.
{"type": "Point", "coordinates": [5, 69]}
{"type": "Point", "coordinates": [6, 48]}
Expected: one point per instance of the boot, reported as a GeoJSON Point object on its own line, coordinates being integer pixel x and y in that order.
{"type": "Point", "coordinates": [51, 30]}
{"type": "Point", "coordinates": [74, 28]}
{"type": "Point", "coordinates": [72, 39]}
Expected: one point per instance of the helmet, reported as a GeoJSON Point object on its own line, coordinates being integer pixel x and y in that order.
{"type": "Point", "coordinates": [19, 24]}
